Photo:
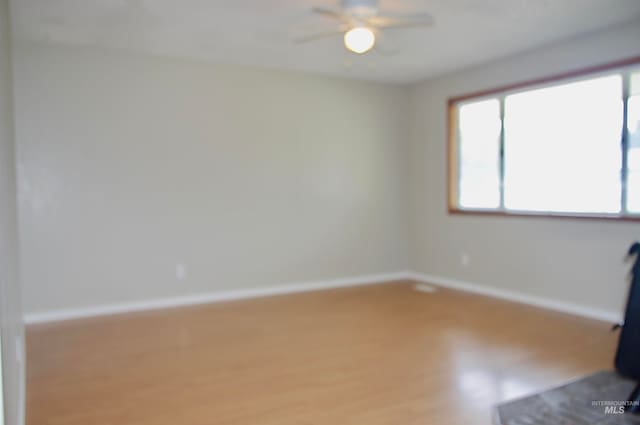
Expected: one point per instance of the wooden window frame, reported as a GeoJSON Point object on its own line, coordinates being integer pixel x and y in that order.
{"type": "Point", "coordinates": [452, 142]}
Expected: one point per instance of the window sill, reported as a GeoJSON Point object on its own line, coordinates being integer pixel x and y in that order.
{"type": "Point", "coordinates": [541, 214]}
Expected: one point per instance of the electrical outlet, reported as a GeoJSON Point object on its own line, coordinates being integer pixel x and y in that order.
{"type": "Point", "coordinates": [465, 260]}
{"type": "Point", "coordinates": [19, 350]}
{"type": "Point", "coordinates": [181, 271]}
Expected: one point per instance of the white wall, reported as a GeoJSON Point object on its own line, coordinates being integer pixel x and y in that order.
{"type": "Point", "coordinates": [11, 327]}
{"type": "Point", "coordinates": [573, 260]}
{"type": "Point", "coordinates": [129, 164]}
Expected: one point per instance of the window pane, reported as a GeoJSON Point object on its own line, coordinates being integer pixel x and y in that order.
{"type": "Point", "coordinates": [633, 156]}
{"type": "Point", "coordinates": [562, 147]}
{"type": "Point", "coordinates": [479, 149]}
{"type": "Point", "coordinates": [635, 84]}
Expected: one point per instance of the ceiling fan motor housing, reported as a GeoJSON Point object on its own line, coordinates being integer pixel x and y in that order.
{"type": "Point", "coordinates": [360, 8]}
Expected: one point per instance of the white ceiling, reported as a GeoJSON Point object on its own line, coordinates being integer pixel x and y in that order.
{"type": "Point", "coordinates": [258, 32]}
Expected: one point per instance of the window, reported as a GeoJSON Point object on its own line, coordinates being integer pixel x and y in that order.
{"type": "Point", "coordinates": [564, 146]}
{"type": "Point", "coordinates": [633, 143]}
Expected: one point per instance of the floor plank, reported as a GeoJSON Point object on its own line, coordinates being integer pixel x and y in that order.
{"type": "Point", "coordinates": [381, 354]}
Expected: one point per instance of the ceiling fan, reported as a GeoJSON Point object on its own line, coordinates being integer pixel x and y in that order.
{"type": "Point", "coordinates": [361, 21]}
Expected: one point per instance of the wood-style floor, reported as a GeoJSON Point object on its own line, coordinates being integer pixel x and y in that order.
{"type": "Point", "coordinates": [372, 355]}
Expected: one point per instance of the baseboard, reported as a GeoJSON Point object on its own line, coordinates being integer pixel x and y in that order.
{"type": "Point", "coordinates": [211, 297]}
{"type": "Point", "coordinates": [519, 297]}
{"type": "Point", "coordinates": [219, 296]}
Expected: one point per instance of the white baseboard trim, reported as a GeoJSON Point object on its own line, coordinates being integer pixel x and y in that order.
{"type": "Point", "coordinates": [210, 297]}
{"type": "Point", "coordinates": [219, 296]}
{"type": "Point", "coordinates": [519, 297]}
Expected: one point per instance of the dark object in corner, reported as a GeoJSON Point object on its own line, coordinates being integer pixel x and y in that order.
{"type": "Point", "coordinates": [634, 399]}
{"type": "Point", "coordinates": [628, 355]}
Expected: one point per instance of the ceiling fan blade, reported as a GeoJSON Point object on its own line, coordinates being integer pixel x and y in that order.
{"type": "Point", "coordinates": [331, 13]}
{"type": "Point", "coordinates": [318, 35]}
{"type": "Point", "coordinates": [401, 21]}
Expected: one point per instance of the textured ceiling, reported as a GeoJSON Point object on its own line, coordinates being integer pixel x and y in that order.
{"type": "Point", "coordinates": [258, 32]}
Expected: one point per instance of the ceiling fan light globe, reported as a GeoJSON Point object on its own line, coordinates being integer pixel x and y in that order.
{"type": "Point", "coordinates": [359, 40]}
